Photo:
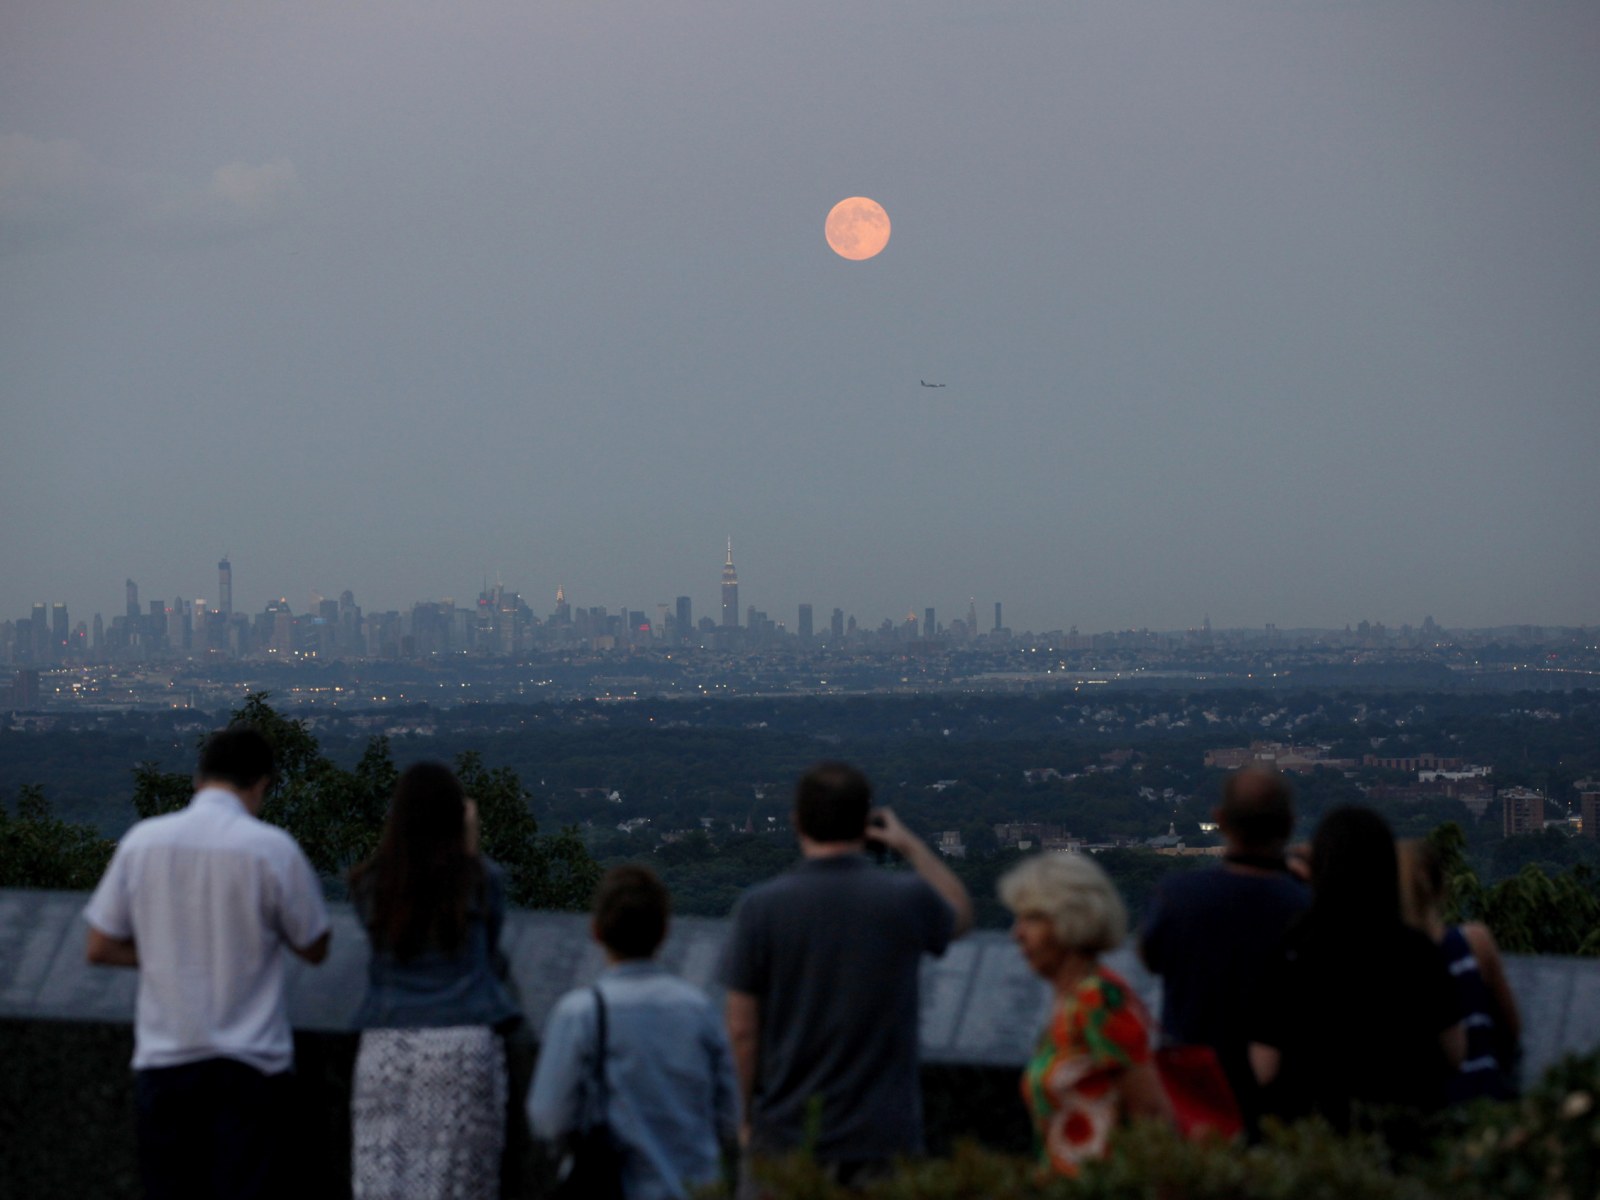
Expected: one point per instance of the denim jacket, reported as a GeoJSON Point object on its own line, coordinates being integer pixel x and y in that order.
{"type": "Point", "coordinates": [434, 989]}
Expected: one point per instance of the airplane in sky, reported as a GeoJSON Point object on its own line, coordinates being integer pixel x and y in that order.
{"type": "Point", "coordinates": [925, 383]}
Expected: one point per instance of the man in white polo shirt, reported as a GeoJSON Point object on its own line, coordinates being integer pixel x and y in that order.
{"type": "Point", "coordinates": [204, 902]}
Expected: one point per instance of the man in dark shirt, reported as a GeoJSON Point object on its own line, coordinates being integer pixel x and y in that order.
{"type": "Point", "coordinates": [1210, 933]}
{"type": "Point", "coordinates": [822, 973]}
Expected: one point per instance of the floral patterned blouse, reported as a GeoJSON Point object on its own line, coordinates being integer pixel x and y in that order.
{"type": "Point", "coordinates": [1070, 1085]}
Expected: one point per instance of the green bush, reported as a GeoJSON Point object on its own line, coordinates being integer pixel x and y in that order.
{"type": "Point", "coordinates": [1545, 1146]}
{"type": "Point", "coordinates": [67, 1086]}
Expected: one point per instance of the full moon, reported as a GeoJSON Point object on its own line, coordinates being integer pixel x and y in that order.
{"type": "Point", "coordinates": [857, 228]}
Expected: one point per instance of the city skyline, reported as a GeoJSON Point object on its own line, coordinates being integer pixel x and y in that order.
{"type": "Point", "coordinates": [789, 613]}
{"type": "Point", "coordinates": [1273, 313]}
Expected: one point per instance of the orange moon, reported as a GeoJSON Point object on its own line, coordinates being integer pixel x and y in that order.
{"type": "Point", "coordinates": [857, 228]}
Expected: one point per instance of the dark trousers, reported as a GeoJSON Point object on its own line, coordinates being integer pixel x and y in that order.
{"type": "Point", "coordinates": [211, 1129]}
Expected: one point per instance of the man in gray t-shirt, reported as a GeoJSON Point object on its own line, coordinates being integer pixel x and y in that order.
{"type": "Point", "coordinates": [822, 969]}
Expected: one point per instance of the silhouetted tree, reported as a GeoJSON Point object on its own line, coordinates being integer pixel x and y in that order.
{"type": "Point", "coordinates": [336, 815]}
{"type": "Point", "coordinates": [38, 850]}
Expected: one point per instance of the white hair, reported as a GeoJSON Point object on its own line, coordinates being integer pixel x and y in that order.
{"type": "Point", "coordinates": [1078, 897]}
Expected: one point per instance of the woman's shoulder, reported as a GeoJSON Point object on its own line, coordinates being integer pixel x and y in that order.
{"type": "Point", "coordinates": [492, 887]}
{"type": "Point", "coordinates": [1102, 993]}
{"type": "Point", "coordinates": [494, 875]}
{"type": "Point", "coordinates": [576, 1007]}
{"type": "Point", "coordinates": [1115, 1022]}
{"type": "Point", "coordinates": [1112, 989]}
{"type": "Point", "coordinates": [1479, 939]}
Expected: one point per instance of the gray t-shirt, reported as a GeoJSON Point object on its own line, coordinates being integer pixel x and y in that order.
{"type": "Point", "coordinates": [832, 951]}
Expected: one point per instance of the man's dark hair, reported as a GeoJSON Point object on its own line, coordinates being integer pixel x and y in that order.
{"type": "Point", "coordinates": [831, 803]}
{"type": "Point", "coordinates": [631, 907]}
{"type": "Point", "coordinates": [1257, 809]}
{"type": "Point", "coordinates": [238, 755]}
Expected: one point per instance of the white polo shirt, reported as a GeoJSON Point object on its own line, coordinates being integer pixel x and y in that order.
{"type": "Point", "coordinates": [210, 897]}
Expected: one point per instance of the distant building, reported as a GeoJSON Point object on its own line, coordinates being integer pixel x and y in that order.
{"type": "Point", "coordinates": [1522, 811]}
{"type": "Point", "coordinates": [225, 589]}
{"type": "Point", "coordinates": [684, 620]}
{"type": "Point", "coordinates": [1475, 790]}
{"type": "Point", "coordinates": [1037, 835]}
{"type": "Point", "coordinates": [39, 635]}
{"type": "Point", "coordinates": [25, 690]}
{"type": "Point", "coordinates": [1170, 840]}
{"type": "Point", "coordinates": [1589, 807]}
{"type": "Point", "coordinates": [60, 630]}
{"type": "Point", "coordinates": [804, 624]}
{"type": "Point", "coordinates": [1419, 762]}
{"type": "Point", "coordinates": [1278, 756]}
{"type": "Point", "coordinates": [730, 592]}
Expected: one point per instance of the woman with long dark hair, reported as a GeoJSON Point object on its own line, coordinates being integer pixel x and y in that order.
{"type": "Point", "coordinates": [1358, 1014]}
{"type": "Point", "coordinates": [428, 1111]}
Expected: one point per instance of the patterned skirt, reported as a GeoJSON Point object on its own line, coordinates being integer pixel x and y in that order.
{"type": "Point", "coordinates": [428, 1114]}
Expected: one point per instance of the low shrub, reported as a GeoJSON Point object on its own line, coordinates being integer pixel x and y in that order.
{"type": "Point", "coordinates": [1545, 1146]}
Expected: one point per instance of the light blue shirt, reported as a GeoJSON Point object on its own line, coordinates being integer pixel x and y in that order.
{"type": "Point", "coordinates": [669, 1077]}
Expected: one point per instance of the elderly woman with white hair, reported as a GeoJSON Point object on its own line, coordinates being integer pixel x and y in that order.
{"type": "Point", "coordinates": [1093, 1067]}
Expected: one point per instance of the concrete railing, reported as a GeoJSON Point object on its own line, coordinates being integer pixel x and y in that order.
{"type": "Point", "coordinates": [980, 1004]}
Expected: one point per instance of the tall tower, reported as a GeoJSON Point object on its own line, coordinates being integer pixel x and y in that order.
{"type": "Point", "coordinates": [730, 592]}
{"type": "Point", "coordinates": [805, 623]}
{"type": "Point", "coordinates": [225, 589]}
{"type": "Point", "coordinates": [39, 635]}
{"type": "Point", "coordinates": [132, 589]}
{"type": "Point", "coordinates": [685, 619]}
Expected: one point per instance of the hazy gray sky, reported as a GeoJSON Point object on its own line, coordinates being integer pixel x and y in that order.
{"type": "Point", "coordinates": [1269, 311]}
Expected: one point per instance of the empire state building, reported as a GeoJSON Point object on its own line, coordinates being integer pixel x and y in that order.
{"type": "Point", "coordinates": [730, 592]}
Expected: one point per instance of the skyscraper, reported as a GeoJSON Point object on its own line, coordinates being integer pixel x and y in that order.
{"type": "Point", "coordinates": [928, 626]}
{"type": "Point", "coordinates": [998, 623]}
{"type": "Point", "coordinates": [60, 629]}
{"type": "Point", "coordinates": [225, 589]}
{"type": "Point", "coordinates": [730, 592]}
{"type": "Point", "coordinates": [39, 636]}
{"type": "Point", "coordinates": [805, 623]}
{"type": "Point", "coordinates": [133, 600]}
{"type": "Point", "coordinates": [685, 620]}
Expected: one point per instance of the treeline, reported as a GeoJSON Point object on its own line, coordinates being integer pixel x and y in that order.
{"type": "Point", "coordinates": [676, 761]}
{"type": "Point", "coordinates": [704, 786]}
{"type": "Point", "coordinates": [334, 812]}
